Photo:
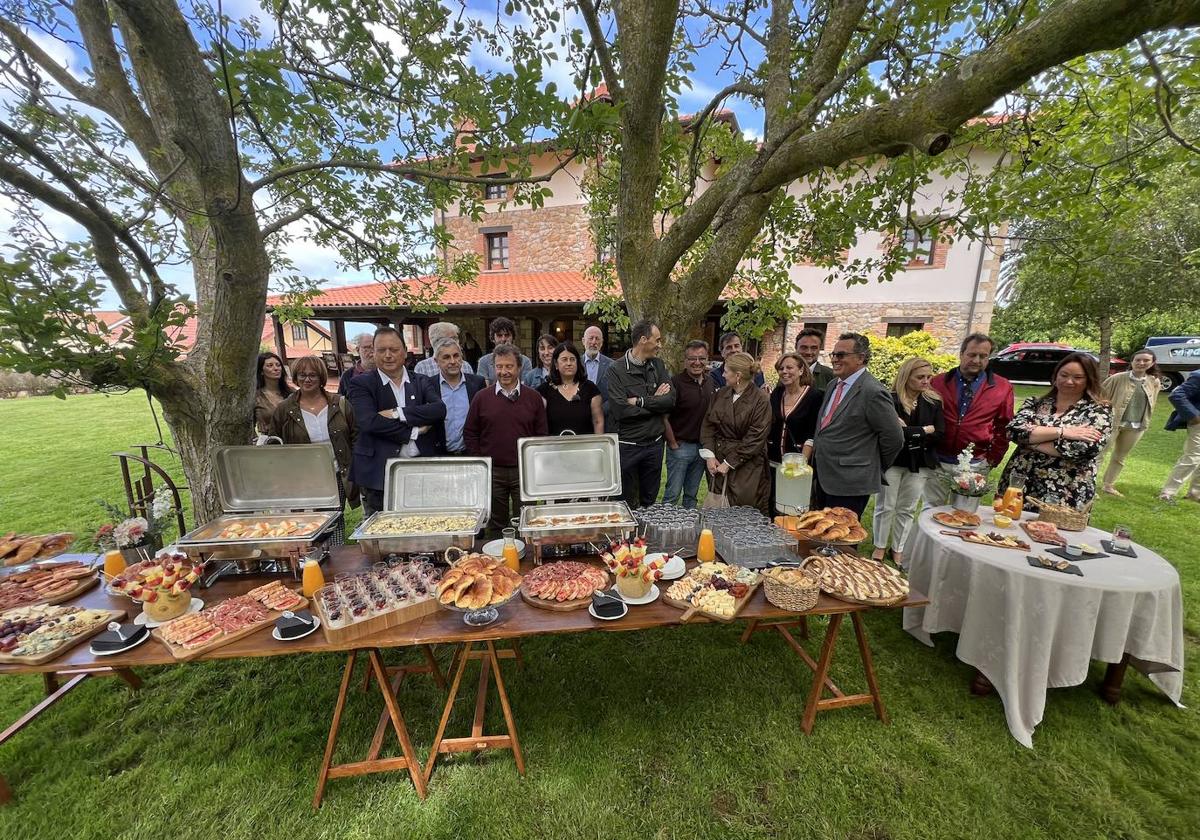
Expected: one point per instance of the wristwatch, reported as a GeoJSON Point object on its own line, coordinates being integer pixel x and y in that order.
{"type": "Point", "coordinates": [395, 414]}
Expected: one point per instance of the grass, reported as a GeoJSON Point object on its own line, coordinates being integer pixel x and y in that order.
{"type": "Point", "coordinates": [676, 733]}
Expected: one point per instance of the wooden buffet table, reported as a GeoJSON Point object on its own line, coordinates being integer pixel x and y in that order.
{"type": "Point", "coordinates": [518, 620]}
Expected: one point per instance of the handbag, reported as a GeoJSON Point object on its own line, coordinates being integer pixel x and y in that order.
{"type": "Point", "coordinates": [714, 499]}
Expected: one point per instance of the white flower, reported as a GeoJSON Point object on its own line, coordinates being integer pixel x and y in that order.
{"type": "Point", "coordinates": [131, 532]}
{"type": "Point", "coordinates": [162, 505]}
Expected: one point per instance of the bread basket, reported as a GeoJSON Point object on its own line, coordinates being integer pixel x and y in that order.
{"type": "Point", "coordinates": [791, 596]}
{"type": "Point", "coordinates": [1066, 518]}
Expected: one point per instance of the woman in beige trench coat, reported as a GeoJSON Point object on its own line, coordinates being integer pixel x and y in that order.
{"type": "Point", "coordinates": [735, 429]}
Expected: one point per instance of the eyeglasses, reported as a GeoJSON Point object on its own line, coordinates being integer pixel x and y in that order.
{"type": "Point", "coordinates": [1066, 377]}
{"type": "Point", "coordinates": [695, 358]}
{"type": "Point", "coordinates": [300, 376]}
{"type": "Point", "coordinates": [841, 354]}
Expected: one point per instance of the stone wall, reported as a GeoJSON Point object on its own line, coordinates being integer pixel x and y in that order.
{"type": "Point", "coordinates": [547, 239]}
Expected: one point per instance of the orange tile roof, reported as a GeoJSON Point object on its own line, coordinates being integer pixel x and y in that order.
{"type": "Point", "coordinates": [489, 289]}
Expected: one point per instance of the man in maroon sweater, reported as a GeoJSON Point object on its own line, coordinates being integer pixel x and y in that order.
{"type": "Point", "coordinates": [498, 416]}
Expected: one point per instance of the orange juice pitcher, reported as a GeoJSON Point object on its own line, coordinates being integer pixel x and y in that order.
{"type": "Point", "coordinates": [313, 578]}
{"type": "Point", "coordinates": [114, 563]}
{"type": "Point", "coordinates": [706, 547]}
{"type": "Point", "coordinates": [1014, 501]}
{"type": "Point", "coordinates": [512, 557]}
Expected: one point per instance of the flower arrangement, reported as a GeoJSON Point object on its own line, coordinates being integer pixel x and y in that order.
{"type": "Point", "coordinates": [968, 482]}
{"type": "Point", "coordinates": [135, 531]}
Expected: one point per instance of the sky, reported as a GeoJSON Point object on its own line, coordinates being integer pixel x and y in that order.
{"type": "Point", "coordinates": [315, 261]}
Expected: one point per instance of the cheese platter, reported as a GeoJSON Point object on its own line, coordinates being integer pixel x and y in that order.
{"type": "Point", "coordinates": [34, 635]}
{"type": "Point", "coordinates": [991, 538]}
{"type": "Point", "coordinates": [714, 590]}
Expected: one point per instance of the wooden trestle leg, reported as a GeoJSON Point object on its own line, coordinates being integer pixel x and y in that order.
{"type": "Point", "coordinates": [489, 659]}
{"type": "Point", "coordinates": [372, 764]}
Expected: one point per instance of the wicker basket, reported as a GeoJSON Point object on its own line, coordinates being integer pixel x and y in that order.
{"type": "Point", "coordinates": [790, 597]}
{"type": "Point", "coordinates": [1066, 518]}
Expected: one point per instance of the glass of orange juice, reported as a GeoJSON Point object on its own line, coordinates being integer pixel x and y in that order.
{"type": "Point", "coordinates": [114, 563]}
{"type": "Point", "coordinates": [512, 557]}
{"type": "Point", "coordinates": [313, 578]}
{"type": "Point", "coordinates": [706, 547]}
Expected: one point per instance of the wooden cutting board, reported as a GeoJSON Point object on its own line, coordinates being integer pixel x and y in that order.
{"type": "Point", "coordinates": [42, 658]}
{"type": "Point", "coordinates": [182, 654]}
{"type": "Point", "coordinates": [1024, 527]}
{"type": "Point", "coordinates": [737, 605]}
{"type": "Point", "coordinates": [83, 585]}
{"type": "Point", "coordinates": [974, 540]}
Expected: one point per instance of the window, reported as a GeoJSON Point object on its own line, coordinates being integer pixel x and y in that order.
{"type": "Point", "coordinates": [495, 191]}
{"type": "Point", "coordinates": [820, 326]}
{"type": "Point", "coordinates": [899, 329]}
{"type": "Point", "coordinates": [919, 242]}
{"type": "Point", "coordinates": [300, 332]}
{"type": "Point", "coordinates": [497, 251]}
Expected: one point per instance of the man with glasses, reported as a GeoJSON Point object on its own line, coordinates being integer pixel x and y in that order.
{"type": "Point", "coordinates": [808, 344]}
{"type": "Point", "coordinates": [694, 391]}
{"type": "Point", "coordinates": [395, 413]}
{"type": "Point", "coordinates": [365, 347]}
{"type": "Point", "coordinates": [858, 434]}
{"type": "Point", "coordinates": [977, 405]}
{"type": "Point", "coordinates": [502, 331]}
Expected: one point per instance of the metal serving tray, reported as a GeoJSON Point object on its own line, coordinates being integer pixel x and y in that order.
{"type": "Point", "coordinates": [379, 545]}
{"type": "Point", "coordinates": [569, 467]}
{"type": "Point", "coordinates": [430, 486]}
{"type": "Point", "coordinates": [276, 478]}
{"type": "Point", "coordinates": [567, 532]}
{"type": "Point", "coordinates": [206, 538]}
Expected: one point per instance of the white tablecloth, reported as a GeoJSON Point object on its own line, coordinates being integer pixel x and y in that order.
{"type": "Point", "coordinates": [1030, 629]}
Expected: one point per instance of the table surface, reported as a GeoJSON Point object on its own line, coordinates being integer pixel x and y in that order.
{"type": "Point", "coordinates": [517, 620]}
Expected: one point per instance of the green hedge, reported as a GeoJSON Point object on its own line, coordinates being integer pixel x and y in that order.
{"type": "Point", "coordinates": [887, 354]}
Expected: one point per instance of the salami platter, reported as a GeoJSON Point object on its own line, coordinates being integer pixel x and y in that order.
{"type": "Point", "coordinates": [565, 585]}
{"type": "Point", "coordinates": [234, 618]}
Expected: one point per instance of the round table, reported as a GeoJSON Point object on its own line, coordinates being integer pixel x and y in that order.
{"type": "Point", "coordinates": [1029, 629]}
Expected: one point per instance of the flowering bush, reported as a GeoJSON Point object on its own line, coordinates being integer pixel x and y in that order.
{"type": "Point", "coordinates": [968, 482]}
{"type": "Point", "coordinates": [135, 531]}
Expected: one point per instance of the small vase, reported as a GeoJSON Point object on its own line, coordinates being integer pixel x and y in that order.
{"type": "Point", "coordinates": [970, 504]}
{"type": "Point", "coordinates": [141, 553]}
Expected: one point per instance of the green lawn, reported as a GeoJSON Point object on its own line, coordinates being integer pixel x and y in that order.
{"type": "Point", "coordinates": [677, 733]}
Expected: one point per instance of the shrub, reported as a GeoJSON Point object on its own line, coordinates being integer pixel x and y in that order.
{"type": "Point", "coordinates": [887, 354]}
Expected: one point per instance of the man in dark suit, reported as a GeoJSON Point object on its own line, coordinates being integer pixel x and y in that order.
{"type": "Point", "coordinates": [595, 363]}
{"type": "Point", "coordinates": [456, 389]}
{"type": "Point", "coordinates": [729, 344]}
{"type": "Point", "coordinates": [396, 412]}
{"type": "Point", "coordinates": [808, 345]}
{"type": "Point", "coordinates": [858, 432]}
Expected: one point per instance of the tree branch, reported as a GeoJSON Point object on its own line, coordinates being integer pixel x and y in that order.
{"type": "Point", "coordinates": [741, 23]}
{"type": "Point", "coordinates": [104, 241]}
{"type": "Point", "coordinates": [29, 146]}
{"type": "Point", "coordinates": [403, 170]}
{"type": "Point", "coordinates": [283, 221]}
{"type": "Point", "coordinates": [1162, 99]}
{"type": "Point", "coordinates": [591, 17]}
{"type": "Point", "coordinates": [84, 93]}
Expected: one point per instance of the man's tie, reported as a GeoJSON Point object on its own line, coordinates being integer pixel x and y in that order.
{"type": "Point", "coordinates": [837, 398]}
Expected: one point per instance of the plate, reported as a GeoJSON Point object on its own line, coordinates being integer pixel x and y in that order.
{"type": "Point", "coordinates": [674, 569]}
{"type": "Point", "coordinates": [95, 652]}
{"type": "Point", "coordinates": [495, 547]}
{"type": "Point", "coordinates": [649, 598]}
{"type": "Point", "coordinates": [592, 613]}
{"type": "Point", "coordinates": [316, 626]}
{"type": "Point", "coordinates": [195, 606]}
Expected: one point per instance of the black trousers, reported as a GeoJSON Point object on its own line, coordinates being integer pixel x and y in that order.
{"type": "Point", "coordinates": [506, 489]}
{"type": "Point", "coordinates": [372, 501]}
{"type": "Point", "coordinates": [641, 472]}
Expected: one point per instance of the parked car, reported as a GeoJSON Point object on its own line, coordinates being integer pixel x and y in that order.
{"type": "Point", "coordinates": [1177, 356]}
{"type": "Point", "coordinates": [1026, 345]}
{"type": "Point", "coordinates": [1034, 364]}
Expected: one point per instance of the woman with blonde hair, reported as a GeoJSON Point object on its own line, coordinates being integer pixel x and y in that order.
{"type": "Point", "coordinates": [919, 412]}
{"type": "Point", "coordinates": [313, 415]}
{"type": "Point", "coordinates": [735, 430]}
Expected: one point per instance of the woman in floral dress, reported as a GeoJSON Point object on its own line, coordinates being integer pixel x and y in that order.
{"type": "Point", "coordinates": [1060, 437]}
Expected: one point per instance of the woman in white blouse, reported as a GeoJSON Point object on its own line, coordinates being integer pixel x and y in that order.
{"type": "Point", "coordinates": [312, 415]}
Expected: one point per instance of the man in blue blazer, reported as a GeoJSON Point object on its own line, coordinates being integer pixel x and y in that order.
{"type": "Point", "coordinates": [595, 363]}
{"type": "Point", "coordinates": [396, 413]}
{"type": "Point", "coordinates": [1186, 399]}
{"type": "Point", "coordinates": [456, 389]}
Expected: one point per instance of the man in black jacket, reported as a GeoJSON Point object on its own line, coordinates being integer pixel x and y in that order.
{"type": "Point", "coordinates": [639, 398]}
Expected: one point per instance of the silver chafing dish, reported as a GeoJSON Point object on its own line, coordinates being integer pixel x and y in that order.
{"type": "Point", "coordinates": [268, 486]}
{"type": "Point", "coordinates": [428, 488]}
{"type": "Point", "coordinates": [578, 468]}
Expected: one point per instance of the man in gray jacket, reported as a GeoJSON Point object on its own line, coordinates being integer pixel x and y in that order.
{"type": "Point", "coordinates": [640, 397]}
{"type": "Point", "coordinates": [858, 431]}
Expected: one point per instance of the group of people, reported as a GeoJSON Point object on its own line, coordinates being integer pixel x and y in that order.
{"type": "Point", "coordinates": [900, 444]}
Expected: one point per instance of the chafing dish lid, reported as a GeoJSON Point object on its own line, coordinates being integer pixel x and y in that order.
{"type": "Point", "coordinates": [569, 467]}
{"type": "Point", "coordinates": [262, 478]}
{"type": "Point", "coordinates": [416, 485]}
